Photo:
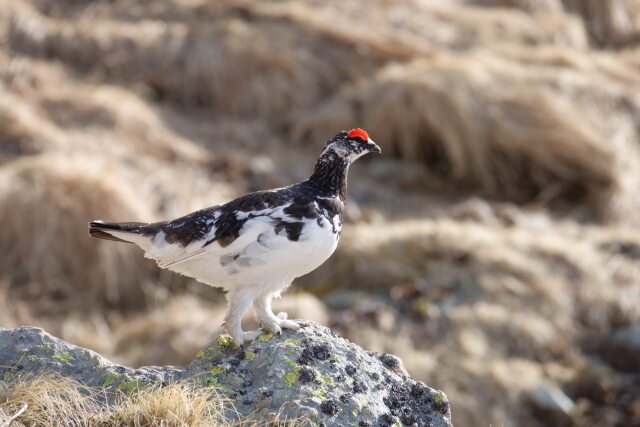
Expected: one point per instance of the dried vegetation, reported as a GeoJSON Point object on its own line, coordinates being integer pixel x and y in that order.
{"type": "Point", "coordinates": [51, 399]}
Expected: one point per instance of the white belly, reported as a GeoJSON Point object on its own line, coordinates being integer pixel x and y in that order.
{"type": "Point", "coordinates": [273, 260]}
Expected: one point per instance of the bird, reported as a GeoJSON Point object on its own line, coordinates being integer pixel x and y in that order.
{"type": "Point", "coordinates": [253, 247]}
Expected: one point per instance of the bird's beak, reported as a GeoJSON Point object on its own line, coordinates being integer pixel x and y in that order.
{"type": "Point", "coordinates": [372, 146]}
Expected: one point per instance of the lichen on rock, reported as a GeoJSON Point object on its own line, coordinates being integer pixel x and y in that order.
{"type": "Point", "coordinates": [312, 373]}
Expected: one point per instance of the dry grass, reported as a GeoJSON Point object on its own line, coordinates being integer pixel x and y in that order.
{"type": "Point", "coordinates": [498, 123]}
{"type": "Point", "coordinates": [282, 69]}
{"type": "Point", "coordinates": [610, 23]}
{"type": "Point", "coordinates": [51, 399]}
{"type": "Point", "coordinates": [177, 405]}
{"type": "Point", "coordinates": [216, 67]}
{"type": "Point", "coordinates": [46, 202]}
{"type": "Point", "coordinates": [536, 142]}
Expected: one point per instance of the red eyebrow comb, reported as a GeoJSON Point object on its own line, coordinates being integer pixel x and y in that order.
{"type": "Point", "coordinates": [358, 133]}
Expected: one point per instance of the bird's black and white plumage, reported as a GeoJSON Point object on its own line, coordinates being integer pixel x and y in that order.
{"type": "Point", "coordinates": [256, 245]}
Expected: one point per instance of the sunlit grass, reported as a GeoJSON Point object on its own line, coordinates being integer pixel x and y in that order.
{"type": "Point", "coordinates": [51, 399]}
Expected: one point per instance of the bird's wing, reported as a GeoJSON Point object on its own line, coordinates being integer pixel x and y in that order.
{"type": "Point", "coordinates": [248, 232]}
{"type": "Point", "coordinates": [211, 233]}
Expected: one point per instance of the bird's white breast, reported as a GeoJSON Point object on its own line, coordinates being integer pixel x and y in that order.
{"type": "Point", "coordinates": [271, 259]}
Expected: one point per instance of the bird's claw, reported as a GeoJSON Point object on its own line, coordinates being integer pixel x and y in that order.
{"type": "Point", "coordinates": [245, 338]}
{"type": "Point", "coordinates": [272, 327]}
{"type": "Point", "coordinates": [285, 323]}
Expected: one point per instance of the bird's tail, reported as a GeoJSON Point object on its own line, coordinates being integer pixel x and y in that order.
{"type": "Point", "coordinates": [114, 230]}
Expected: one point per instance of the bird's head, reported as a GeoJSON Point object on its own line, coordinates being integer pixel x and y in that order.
{"type": "Point", "coordinates": [350, 145]}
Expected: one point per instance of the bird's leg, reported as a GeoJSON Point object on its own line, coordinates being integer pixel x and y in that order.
{"type": "Point", "coordinates": [239, 302]}
{"type": "Point", "coordinates": [265, 317]}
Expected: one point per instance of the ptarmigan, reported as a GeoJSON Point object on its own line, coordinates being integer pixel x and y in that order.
{"type": "Point", "coordinates": [255, 246]}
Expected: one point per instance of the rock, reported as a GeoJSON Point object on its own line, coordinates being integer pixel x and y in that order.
{"type": "Point", "coordinates": [630, 336]}
{"type": "Point", "coordinates": [628, 249]}
{"type": "Point", "coordinates": [552, 398]}
{"type": "Point", "coordinates": [622, 349]}
{"type": "Point", "coordinates": [311, 373]}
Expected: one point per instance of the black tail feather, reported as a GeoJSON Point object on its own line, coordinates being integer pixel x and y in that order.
{"type": "Point", "coordinates": [96, 229]}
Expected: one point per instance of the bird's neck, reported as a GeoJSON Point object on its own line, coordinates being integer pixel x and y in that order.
{"type": "Point", "coordinates": [329, 178]}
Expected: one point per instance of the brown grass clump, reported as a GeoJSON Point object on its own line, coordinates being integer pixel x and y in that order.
{"type": "Point", "coordinates": [178, 405]}
{"type": "Point", "coordinates": [260, 59]}
{"type": "Point", "coordinates": [479, 121]}
{"type": "Point", "coordinates": [610, 23]}
{"type": "Point", "coordinates": [230, 66]}
{"type": "Point", "coordinates": [528, 5]}
{"type": "Point", "coordinates": [50, 399]}
{"type": "Point", "coordinates": [45, 203]}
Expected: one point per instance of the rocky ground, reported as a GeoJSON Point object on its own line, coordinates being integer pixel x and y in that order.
{"type": "Point", "coordinates": [494, 246]}
{"type": "Point", "coordinates": [312, 375]}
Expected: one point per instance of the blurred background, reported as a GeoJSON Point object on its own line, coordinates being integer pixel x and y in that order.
{"type": "Point", "coordinates": [495, 246]}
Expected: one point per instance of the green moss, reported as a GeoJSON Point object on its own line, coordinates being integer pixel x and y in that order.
{"type": "Point", "coordinates": [110, 379]}
{"type": "Point", "coordinates": [326, 379]}
{"type": "Point", "coordinates": [249, 355]}
{"type": "Point", "coordinates": [49, 348]}
{"type": "Point", "coordinates": [290, 363]}
{"type": "Point", "coordinates": [33, 358]}
{"type": "Point", "coordinates": [212, 381]}
{"type": "Point", "coordinates": [266, 337]}
{"type": "Point", "coordinates": [6, 377]}
{"type": "Point", "coordinates": [211, 349]}
{"type": "Point", "coordinates": [292, 341]}
{"type": "Point", "coordinates": [200, 354]}
{"type": "Point", "coordinates": [320, 393]}
{"type": "Point", "coordinates": [129, 387]}
{"type": "Point", "coordinates": [440, 397]}
{"type": "Point", "coordinates": [224, 340]}
{"type": "Point", "coordinates": [336, 358]}
{"type": "Point", "coordinates": [64, 357]}
{"type": "Point", "coordinates": [291, 377]}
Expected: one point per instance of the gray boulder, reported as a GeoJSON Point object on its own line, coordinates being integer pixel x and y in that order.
{"type": "Point", "coordinates": [312, 373]}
